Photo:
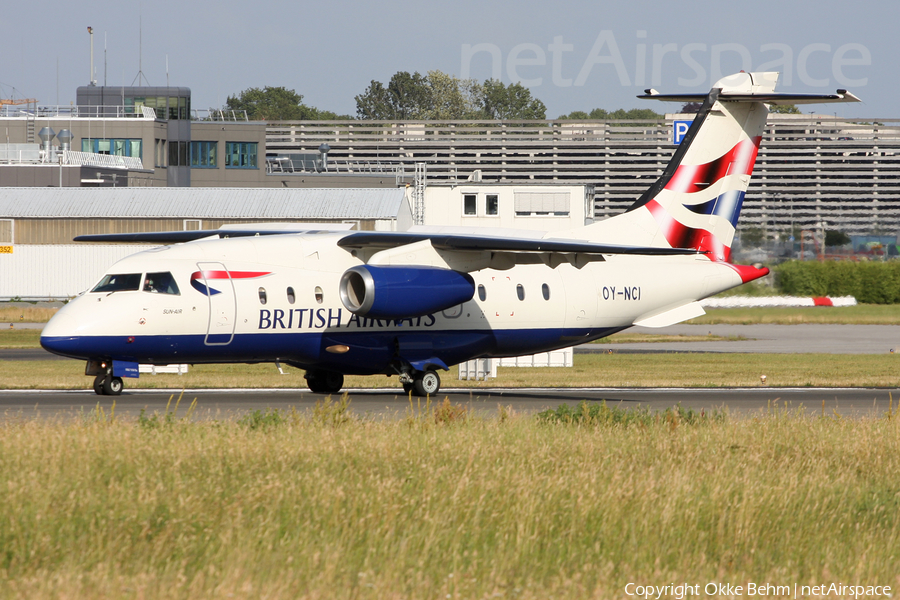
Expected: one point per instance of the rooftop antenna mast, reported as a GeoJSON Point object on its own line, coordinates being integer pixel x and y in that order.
{"type": "Point", "coordinates": [91, 35]}
{"type": "Point", "coordinates": [140, 74]}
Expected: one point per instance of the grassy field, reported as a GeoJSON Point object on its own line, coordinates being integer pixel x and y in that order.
{"type": "Point", "coordinates": [590, 370]}
{"type": "Point", "coordinates": [861, 314]}
{"type": "Point", "coordinates": [320, 505]}
{"type": "Point", "coordinates": [27, 314]}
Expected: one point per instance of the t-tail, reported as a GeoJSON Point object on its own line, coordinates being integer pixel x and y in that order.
{"type": "Point", "coordinates": [697, 201]}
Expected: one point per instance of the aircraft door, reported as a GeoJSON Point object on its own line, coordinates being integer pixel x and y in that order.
{"type": "Point", "coordinates": [219, 291]}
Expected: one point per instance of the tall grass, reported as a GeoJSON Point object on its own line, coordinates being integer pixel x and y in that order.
{"type": "Point", "coordinates": [319, 506]}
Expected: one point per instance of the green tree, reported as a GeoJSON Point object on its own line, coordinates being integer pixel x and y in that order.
{"type": "Point", "coordinates": [600, 114]}
{"type": "Point", "coordinates": [276, 104]}
{"type": "Point", "coordinates": [514, 101]}
{"type": "Point", "coordinates": [834, 237]}
{"type": "Point", "coordinates": [406, 96]}
{"type": "Point", "coordinates": [440, 96]}
{"type": "Point", "coordinates": [373, 103]}
{"type": "Point", "coordinates": [453, 98]}
{"type": "Point", "coordinates": [785, 109]}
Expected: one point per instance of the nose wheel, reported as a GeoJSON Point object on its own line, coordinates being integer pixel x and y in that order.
{"type": "Point", "coordinates": [107, 385]}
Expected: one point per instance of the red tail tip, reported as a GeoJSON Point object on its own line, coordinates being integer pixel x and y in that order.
{"type": "Point", "coordinates": [749, 272]}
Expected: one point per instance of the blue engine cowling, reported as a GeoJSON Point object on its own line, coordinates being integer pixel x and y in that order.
{"type": "Point", "coordinates": [394, 292]}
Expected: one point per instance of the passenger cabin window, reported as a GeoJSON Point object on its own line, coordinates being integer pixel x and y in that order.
{"type": "Point", "coordinates": [128, 282]}
{"type": "Point", "coordinates": [545, 290]}
{"type": "Point", "coordinates": [262, 295]}
{"type": "Point", "coordinates": [320, 297]}
{"type": "Point", "coordinates": [482, 293]}
{"type": "Point", "coordinates": [161, 283]}
{"type": "Point", "coordinates": [290, 295]}
{"type": "Point", "coordinates": [469, 205]}
{"type": "Point", "coordinates": [520, 291]}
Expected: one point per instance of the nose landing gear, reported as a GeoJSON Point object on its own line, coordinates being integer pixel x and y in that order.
{"type": "Point", "coordinates": [107, 385]}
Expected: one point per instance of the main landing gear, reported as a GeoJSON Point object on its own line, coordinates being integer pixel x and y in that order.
{"type": "Point", "coordinates": [421, 383]}
{"type": "Point", "coordinates": [324, 382]}
{"type": "Point", "coordinates": [107, 385]}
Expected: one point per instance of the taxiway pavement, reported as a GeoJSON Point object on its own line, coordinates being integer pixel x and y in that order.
{"type": "Point", "coordinates": [392, 403]}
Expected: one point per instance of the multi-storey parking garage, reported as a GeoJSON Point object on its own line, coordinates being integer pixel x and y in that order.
{"type": "Point", "coordinates": [813, 171]}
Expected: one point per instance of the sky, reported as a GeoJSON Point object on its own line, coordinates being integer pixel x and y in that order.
{"type": "Point", "coordinates": [572, 55]}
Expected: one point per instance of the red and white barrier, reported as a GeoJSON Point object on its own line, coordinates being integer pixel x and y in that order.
{"type": "Point", "coordinates": [775, 301]}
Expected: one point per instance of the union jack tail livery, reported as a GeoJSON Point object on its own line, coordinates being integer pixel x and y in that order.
{"type": "Point", "coordinates": [697, 201]}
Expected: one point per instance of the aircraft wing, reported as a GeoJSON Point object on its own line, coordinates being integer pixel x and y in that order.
{"type": "Point", "coordinates": [177, 237]}
{"type": "Point", "coordinates": [366, 240]}
{"type": "Point", "coordinates": [376, 240]}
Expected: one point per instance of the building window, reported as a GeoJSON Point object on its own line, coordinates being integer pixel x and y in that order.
{"type": "Point", "coordinates": [178, 154]}
{"type": "Point", "coordinates": [492, 205]}
{"type": "Point", "coordinates": [469, 206]}
{"type": "Point", "coordinates": [160, 153]}
{"type": "Point", "coordinates": [240, 155]}
{"type": "Point", "coordinates": [113, 146]}
{"type": "Point", "coordinates": [541, 204]}
{"type": "Point", "coordinates": [6, 231]}
{"type": "Point", "coordinates": [204, 155]}
{"type": "Point", "coordinates": [172, 108]}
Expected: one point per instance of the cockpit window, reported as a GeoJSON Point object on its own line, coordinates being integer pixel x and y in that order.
{"type": "Point", "coordinates": [161, 283]}
{"type": "Point", "coordinates": [128, 282]}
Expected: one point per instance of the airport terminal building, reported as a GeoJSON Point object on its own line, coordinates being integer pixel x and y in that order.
{"type": "Point", "coordinates": [202, 168]}
{"type": "Point", "coordinates": [813, 172]}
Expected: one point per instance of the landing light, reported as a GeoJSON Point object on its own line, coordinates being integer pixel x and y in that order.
{"type": "Point", "coordinates": [338, 349]}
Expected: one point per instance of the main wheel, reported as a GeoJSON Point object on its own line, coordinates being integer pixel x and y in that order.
{"type": "Point", "coordinates": [112, 386]}
{"type": "Point", "coordinates": [99, 380]}
{"type": "Point", "coordinates": [324, 382]}
{"type": "Point", "coordinates": [427, 383]}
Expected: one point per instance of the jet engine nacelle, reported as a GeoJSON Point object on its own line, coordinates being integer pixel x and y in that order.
{"type": "Point", "coordinates": [394, 292]}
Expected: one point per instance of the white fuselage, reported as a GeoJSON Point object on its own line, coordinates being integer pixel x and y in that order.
{"type": "Point", "coordinates": [261, 299]}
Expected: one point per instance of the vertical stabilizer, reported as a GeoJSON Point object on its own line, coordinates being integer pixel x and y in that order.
{"type": "Point", "coordinates": [697, 201]}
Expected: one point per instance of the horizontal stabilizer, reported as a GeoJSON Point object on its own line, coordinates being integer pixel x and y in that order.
{"type": "Point", "coordinates": [768, 98]}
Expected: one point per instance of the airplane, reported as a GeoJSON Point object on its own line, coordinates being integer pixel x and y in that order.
{"type": "Point", "coordinates": [340, 302]}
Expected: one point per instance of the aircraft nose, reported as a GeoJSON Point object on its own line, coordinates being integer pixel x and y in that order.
{"type": "Point", "coordinates": [58, 335]}
{"type": "Point", "coordinates": [61, 325]}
